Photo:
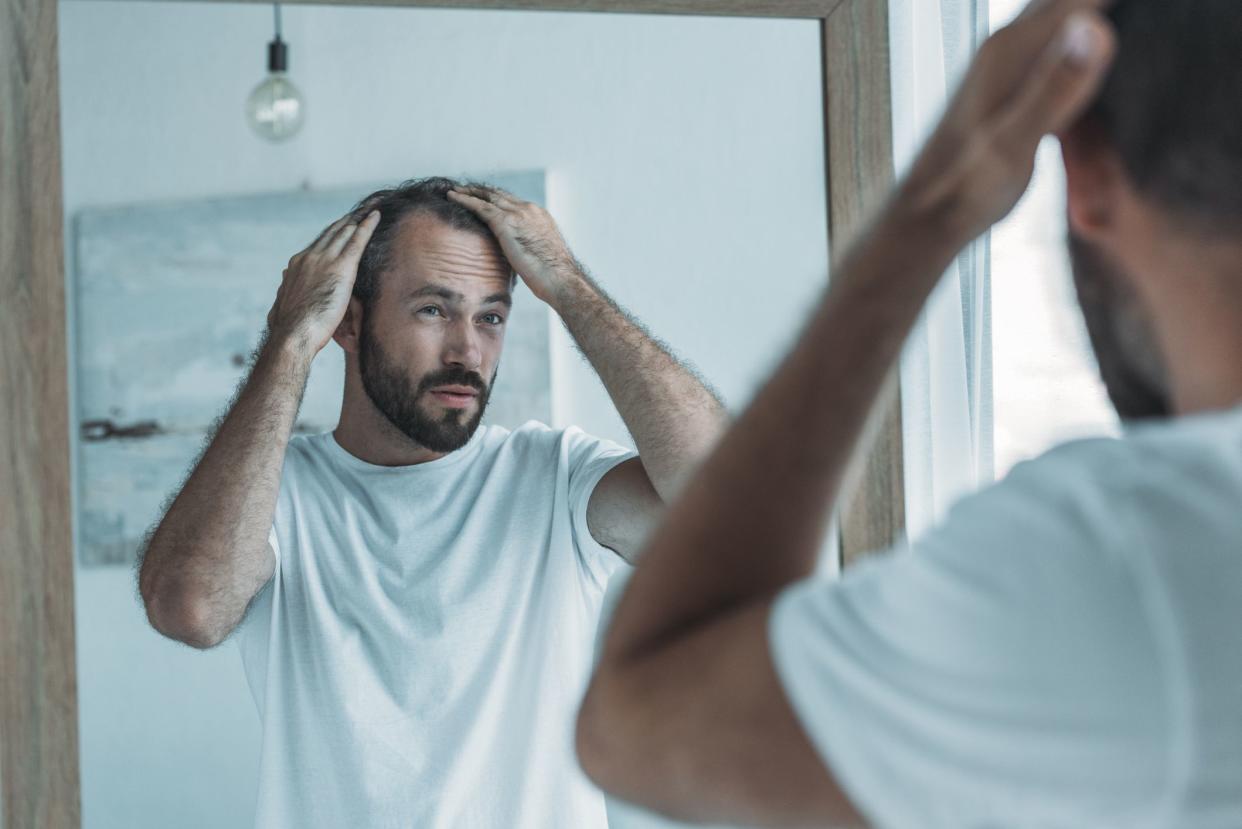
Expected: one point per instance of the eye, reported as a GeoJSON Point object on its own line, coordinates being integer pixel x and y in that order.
{"type": "Point", "coordinates": [493, 319]}
{"type": "Point", "coordinates": [431, 311]}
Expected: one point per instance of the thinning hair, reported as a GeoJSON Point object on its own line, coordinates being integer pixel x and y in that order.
{"type": "Point", "coordinates": [422, 196]}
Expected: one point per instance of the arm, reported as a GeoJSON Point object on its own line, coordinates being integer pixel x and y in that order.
{"type": "Point", "coordinates": [209, 554]}
{"type": "Point", "coordinates": [686, 713]}
{"type": "Point", "coordinates": [673, 416]}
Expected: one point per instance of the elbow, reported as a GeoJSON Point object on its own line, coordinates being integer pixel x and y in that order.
{"type": "Point", "coordinates": [180, 614]}
{"type": "Point", "coordinates": [595, 737]}
{"type": "Point", "coordinates": [185, 619]}
{"type": "Point", "coordinates": [620, 752]}
{"type": "Point", "coordinates": [590, 742]}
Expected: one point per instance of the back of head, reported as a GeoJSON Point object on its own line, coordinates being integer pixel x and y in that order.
{"type": "Point", "coordinates": [424, 196]}
{"type": "Point", "coordinates": [1172, 107]}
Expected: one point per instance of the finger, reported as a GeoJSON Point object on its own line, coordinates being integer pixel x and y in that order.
{"type": "Point", "coordinates": [358, 242]}
{"type": "Point", "coordinates": [478, 191]}
{"type": "Point", "coordinates": [503, 197]}
{"type": "Point", "coordinates": [338, 241]}
{"type": "Point", "coordinates": [1061, 84]}
{"type": "Point", "coordinates": [322, 239]}
{"type": "Point", "coordinates": [326, 234]}
{"type": "Point", "coordinates": [492, 195]}
{"type": "Point", "coordinates": [1026, 38]}
{"type": "Point", "coordinates": [485, 209]}
{"type": "Point", "coordinates": [365, 208]}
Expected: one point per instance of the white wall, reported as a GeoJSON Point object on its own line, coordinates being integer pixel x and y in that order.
{"type": "Point", "coordinates": [685, 165]}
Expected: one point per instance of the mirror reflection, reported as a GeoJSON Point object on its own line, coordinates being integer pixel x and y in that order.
{"type": "Point", "coordinates": [379, 476]}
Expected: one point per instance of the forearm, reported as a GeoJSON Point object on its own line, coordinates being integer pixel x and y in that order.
{"type": "Point", "coordinates": [752, 519]}
{"type": "Point", "coordinates": [209, 554]}
{"type": "Point", "coordinates": [673, 416]}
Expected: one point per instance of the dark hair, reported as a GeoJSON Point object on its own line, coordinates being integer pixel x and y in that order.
{"type": "Point", "coordinates": [427, 196]}
{"type": "Point", "coordinates": [1172, 106]}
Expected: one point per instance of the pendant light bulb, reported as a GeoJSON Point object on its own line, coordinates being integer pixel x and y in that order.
{"type": "Point", "coordinates": [275, 109]}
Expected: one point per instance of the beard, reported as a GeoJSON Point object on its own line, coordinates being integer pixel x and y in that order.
{"type": "Point", "coordinates": [1131, 364]}
{"type": "Point", "coordinates": [401, 402]}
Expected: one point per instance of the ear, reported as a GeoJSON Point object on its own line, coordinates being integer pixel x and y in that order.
{"type": "Point", "coordinates": [1094, 180]}
{"type": "Point", "coordinates": [350, 328]}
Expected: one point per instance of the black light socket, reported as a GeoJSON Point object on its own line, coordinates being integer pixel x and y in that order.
{"type": "Point", "coordinates": [278, 56]}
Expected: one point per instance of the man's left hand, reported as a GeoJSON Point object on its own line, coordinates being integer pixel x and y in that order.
{"type": "Point", "coordinates": [529, 239]}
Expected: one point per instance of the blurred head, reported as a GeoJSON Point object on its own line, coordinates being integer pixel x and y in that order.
{"type": "Point", "coordinates": [431, 301]}
{"type": "Point", "coordinates": [1163, 139]}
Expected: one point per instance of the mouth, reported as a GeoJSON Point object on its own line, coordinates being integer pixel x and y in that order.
{"type": "Point", "coordinates": [455, 396]}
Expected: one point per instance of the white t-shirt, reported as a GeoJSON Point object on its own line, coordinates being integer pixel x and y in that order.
{"type": "Point", "coordinates": [418, 658]}
{"type": "Point", "coordinates": [1064, 651]}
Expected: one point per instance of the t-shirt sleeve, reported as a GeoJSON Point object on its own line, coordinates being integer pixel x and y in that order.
{"type": "Point", "coordinates": [273, 541]}
{"type": "Point", "coordinates": [281, 515]}
{"type": "Point", "coordinates": [255, 615]}
{"type": "Point", "coordinates": [590, 459]}
{"type": "Point", "coordinates": [1003, 672]}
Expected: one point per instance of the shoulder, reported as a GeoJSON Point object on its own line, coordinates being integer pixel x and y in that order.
{"type": "Point", "coordinates": [991, 628]}
{"type": "Point", "coordinates": [1033, 574]}
{"type": "Point", "coordinates": [303, 446]}
{"type": "Point", "coordinates": [1161, 481]}
{"type": "Point", "coordinates": [535, 436]}
{"type": "Point", "coordinates": [1053, 529]}
{"type": "Point", "coordinates": [531, 436]}
{"type": "Point", "coordinates": [1078, 528]}
{"type": "Point", "coordinates": [305, 452]}
{"type": "Point", "coordinates": [1190, 456]}
{"type": "Point", "coordinates": [1070, 492]}
{"type": "Point", "coordinates": [317, 455]}
{"type": "Point", "coordinates": [532, 445]}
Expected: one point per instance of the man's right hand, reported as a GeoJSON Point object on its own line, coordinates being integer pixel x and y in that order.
{"type": "Point", "coordinates": [316, 286]}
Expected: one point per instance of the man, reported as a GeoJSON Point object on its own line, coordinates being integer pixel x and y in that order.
{"type": "Point", "coordinates": [423, 593]}
{"type": "Point", "coordinates": [1063, 651]}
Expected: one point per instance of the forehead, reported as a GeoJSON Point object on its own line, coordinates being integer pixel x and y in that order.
{"type": "Point", "coordinates": [427, 251]}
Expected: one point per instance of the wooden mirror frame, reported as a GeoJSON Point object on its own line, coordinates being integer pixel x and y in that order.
{"type": "Point", "coordinates": [38, 694]}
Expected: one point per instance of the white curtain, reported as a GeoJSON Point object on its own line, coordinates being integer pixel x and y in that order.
{"type": "Point", "coordinates": [946, 368]}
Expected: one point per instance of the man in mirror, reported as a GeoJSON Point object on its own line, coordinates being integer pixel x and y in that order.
{"type": "Point", "coordinates": [1062, 651]}
{"type": "Point", "coordinates": [420, 594]}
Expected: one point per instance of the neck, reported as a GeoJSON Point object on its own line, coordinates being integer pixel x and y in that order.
{"type": "Point", "coordinates": [365, 433]}
{"type": "Point", "coordinates": [1193, 290]}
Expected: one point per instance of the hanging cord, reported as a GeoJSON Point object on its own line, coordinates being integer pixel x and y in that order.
{"type": "Point", "coordinates": [277, 50]}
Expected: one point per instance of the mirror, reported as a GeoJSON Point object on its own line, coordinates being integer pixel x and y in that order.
{"type": "Point", "coordinates": [682, 159]}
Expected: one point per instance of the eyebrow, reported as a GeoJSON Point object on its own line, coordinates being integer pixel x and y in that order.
{"type": "Point", "coordinates": [503, 298]}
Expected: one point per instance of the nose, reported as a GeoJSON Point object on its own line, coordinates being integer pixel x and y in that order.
{"type": "Point", "coordinates": [461, 346]}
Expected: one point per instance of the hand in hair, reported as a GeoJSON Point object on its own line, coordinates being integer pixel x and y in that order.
{"type": "Point", "coordinates": [529, 238]}
{"type": "Point", "coordinates": [316, 286]}
{"type": "Point", "coordinates": [1033, 78]}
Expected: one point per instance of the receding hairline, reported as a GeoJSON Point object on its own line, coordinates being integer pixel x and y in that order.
{"type": "Point", "coordinates": [408, 200]}
{"type": "Point", "coordinates": [405, 225]}
{"type": "Point", "coordinates": [426, 212]}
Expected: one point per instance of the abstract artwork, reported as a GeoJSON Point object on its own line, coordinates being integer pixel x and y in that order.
{"type": "Point", "coordinates": [169, 301]}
